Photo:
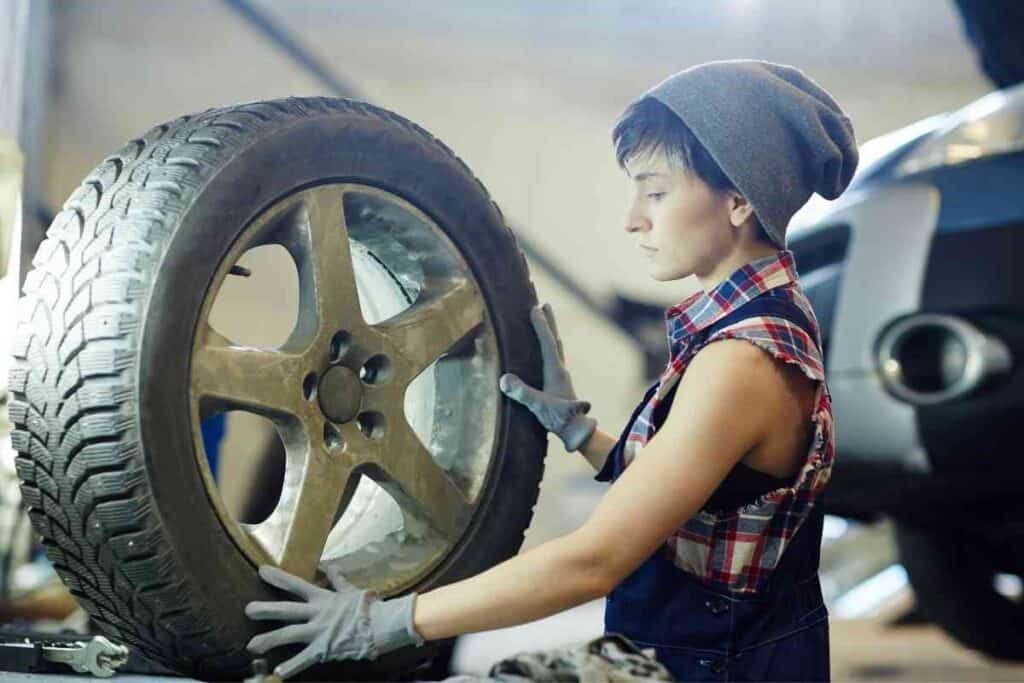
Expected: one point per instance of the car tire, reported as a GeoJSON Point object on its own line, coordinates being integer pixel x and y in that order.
{"type": "Point", "coordinates": [102, 431]}
{"type": "Point", "coordinates": [952, 574]}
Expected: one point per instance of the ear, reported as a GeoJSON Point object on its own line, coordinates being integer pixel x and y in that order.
{"type": "Point", "coordinates": [740, 210]}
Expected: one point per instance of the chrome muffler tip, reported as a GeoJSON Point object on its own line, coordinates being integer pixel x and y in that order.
{"type": "Point", "coordinates": [930, 358]}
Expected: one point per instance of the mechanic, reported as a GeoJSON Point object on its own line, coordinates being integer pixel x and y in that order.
{"type": "Point", "coordinates": [707, 546]}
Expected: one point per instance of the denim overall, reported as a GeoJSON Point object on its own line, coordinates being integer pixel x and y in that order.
{"type": "Point", "coordinates": [702, 632]}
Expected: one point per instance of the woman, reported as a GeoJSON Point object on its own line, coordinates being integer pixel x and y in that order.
{"type": "Point", "coordinates": [706, 546]}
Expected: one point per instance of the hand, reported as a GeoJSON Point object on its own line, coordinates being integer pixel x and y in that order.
{"type": "Point", "coordinates": [556, 407]}
{"type": "Point", "coordinates": [344, 623]}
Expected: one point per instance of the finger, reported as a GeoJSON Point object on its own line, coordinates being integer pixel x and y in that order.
{"type": "Point", "coordinates": [550, 314]}
{"type": "Point", "coordinates": [303, 660]}
{"type": "Point", "coordinates": [545, 337]}
{"type": "Point", "coordinates": [517, 389]}
{"type": "Point", "coordinates": [286, 635]}
{"type": "Point", "coordinates": [276, 576]}
{"type": "Point", "coordinates": [506, 380]}
{"type": "Point", "coordinates": [280, 611]}
{"type": "Point", "coordinates": [338, 579]}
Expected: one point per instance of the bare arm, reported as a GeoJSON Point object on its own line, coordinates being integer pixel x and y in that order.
{"type": "Point", "coordinates": [597, 448]}
{"type": "Point", "coordinates": [545, 580]}
{"type": "Point", "coordinates": [682, 465]}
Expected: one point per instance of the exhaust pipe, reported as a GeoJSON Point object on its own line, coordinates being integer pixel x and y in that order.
{"type": "Point", "coordinates": [931, 358]}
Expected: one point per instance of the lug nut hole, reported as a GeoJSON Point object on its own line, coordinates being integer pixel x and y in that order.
{"type": "Point", "coordinates": [309, 386]}
{"type": "Point", "coordinates": [340, 344]}
{"type": "Point", "coordinates": [371, 424]}
{"type": "Point", "coordinates": [332, 437]}
{"type": "Point", "coordinates": [376, 370]}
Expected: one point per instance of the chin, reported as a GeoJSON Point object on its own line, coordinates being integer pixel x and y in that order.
{"type": "Point", "coordinates": [662, 275]}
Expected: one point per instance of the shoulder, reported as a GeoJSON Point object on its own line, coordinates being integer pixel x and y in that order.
{"type": "Point", "coordinates": [724, 381]}
{"type": "Point", "coordinates": [779, 338]}
{"type": "Point", "coordinates": [730, 363]}
{"type": "Point", "coordinates": [747, 371]}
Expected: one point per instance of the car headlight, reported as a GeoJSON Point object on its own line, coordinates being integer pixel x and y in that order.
{"type": "Point", "coordinates": [992, 125]}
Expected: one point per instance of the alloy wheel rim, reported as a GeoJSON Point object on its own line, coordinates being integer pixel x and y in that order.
{"type": "Point", "coordinates": [382, 395]}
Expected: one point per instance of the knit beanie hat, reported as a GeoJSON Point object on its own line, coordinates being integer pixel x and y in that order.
{"type": "Point", "coordinates": [775, 133]}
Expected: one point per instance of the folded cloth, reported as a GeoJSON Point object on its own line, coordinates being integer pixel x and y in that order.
{"type": "Point", "coordinates": [612, 658]}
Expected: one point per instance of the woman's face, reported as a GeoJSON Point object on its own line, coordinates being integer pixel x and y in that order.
{"type": "Point", "coordinates": [680, 224]}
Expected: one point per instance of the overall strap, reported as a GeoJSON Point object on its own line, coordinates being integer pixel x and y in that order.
{"type": "Point", "coordinates": [768, 304]}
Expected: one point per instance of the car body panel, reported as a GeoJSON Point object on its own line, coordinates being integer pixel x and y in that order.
{"type": "Point", "coordinates": [947, 239]}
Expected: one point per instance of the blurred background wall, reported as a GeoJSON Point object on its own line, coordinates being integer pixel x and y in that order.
{"type": "Point", "coordinates": [525, 92]}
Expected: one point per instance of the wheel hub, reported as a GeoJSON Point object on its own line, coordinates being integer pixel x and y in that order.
{"type": "Point", "coordinates": [340, 394]}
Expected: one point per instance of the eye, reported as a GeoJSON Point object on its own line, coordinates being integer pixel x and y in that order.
{"type": "Point", "coordinates": [656, 195]}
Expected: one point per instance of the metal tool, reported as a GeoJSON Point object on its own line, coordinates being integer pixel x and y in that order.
{"type": "Point", "coordinates": [259, 673]}
{"type": "Point", "coordinates": [97, 656]}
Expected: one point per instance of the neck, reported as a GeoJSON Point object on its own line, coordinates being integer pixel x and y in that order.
{"type": "Point", "coordinates": [739, 256]}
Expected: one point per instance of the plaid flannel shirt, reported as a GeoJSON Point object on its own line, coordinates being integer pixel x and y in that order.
{"type": "Point", "coordinates": [738, 549]}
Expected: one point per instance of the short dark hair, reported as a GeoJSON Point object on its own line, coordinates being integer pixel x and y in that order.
{"type": "Point", "coordinates": [647, 126]}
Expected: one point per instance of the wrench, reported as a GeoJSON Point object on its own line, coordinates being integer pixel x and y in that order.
{"type": "Point", "coordinates": [98, 656]}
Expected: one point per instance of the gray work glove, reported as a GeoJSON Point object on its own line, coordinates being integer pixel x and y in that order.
{"type": "Point", "coordinates": [344, 623]}
{"type": "Point", "coordinates": [556, 406]}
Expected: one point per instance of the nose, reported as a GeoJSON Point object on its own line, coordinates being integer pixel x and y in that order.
{"type": "Point", "coordinates": [634, 219]}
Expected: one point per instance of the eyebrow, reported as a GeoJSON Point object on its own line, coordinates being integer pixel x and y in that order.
{"type": "Point", "coordinates": [646, 175]}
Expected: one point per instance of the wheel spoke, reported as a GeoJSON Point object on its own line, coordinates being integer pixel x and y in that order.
{"type": "Point", "coordinates": [419, 484]}
{"type": "Point", "coordinates": [330, 258]}
{"type": "Point", "coordinates": [262, 381]}
{"type": "Point", "coordinates": [323, 478]}
{"type": "Point", "coordinates": [432, 325]}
